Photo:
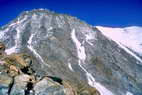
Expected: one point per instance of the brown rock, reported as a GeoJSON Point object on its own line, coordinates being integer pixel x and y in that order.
{"type": "Point", "coordinates": [82, 89]}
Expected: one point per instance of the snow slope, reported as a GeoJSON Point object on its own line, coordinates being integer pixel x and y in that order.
{"type": "Point", "coordinates": [128, 37]}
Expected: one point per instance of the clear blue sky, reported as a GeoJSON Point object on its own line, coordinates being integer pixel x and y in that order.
{"type": "Point", "coordinates": [115, 13]}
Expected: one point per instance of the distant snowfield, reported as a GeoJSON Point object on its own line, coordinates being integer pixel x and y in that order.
{"type": "Point", "coordinates": [128, 37]}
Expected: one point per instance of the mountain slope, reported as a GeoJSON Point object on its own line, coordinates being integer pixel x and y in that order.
{"type": "Point", "coordinates": [68, 48]}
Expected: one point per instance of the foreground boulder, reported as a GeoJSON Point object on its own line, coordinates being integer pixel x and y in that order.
{"type": "Point", "coordinates": [47, 85]}
{"type": "Point", "coordinates": [20, 86]}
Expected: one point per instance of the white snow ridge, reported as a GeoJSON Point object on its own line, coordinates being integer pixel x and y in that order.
{"type": "Point", "coordinates": [130, 37]}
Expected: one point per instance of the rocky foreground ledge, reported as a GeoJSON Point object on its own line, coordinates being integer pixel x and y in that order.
{"type": "Point", "coordinates": [18, 78]}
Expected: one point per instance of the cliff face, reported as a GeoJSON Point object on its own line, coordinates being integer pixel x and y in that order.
{"type": "Point", "coordinates": [65, 47]}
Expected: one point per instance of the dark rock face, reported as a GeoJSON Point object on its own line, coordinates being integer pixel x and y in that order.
{"type": "Point", "coordinates": [74, 51]}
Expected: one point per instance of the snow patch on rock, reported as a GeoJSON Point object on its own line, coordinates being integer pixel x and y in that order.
{"type": "Point", "coordinates": [70, 66]}
{"type": "Point", "coordinates": [129, 93]}
{"type": "Point", "coordinates": [10, 50]}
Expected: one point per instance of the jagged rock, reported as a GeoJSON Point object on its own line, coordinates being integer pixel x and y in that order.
{"type": "Point", "coordinates": [20, 85]}
{"type": "Point", "coordinates": [12, 79]}
{"type": "Point", "coordinates": [49, 87]}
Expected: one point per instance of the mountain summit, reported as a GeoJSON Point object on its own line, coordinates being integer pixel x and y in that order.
{"type": "Point", "coordinates": [87, 57]}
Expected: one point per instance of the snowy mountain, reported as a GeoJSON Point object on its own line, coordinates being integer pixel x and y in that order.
{"type": "Point", "coordinates": [107, 59]}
